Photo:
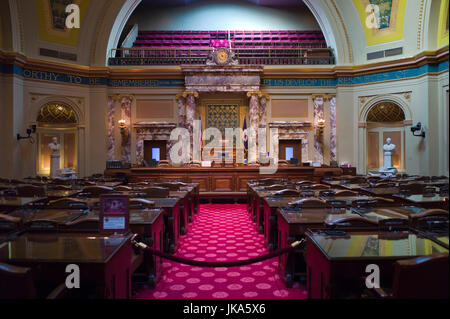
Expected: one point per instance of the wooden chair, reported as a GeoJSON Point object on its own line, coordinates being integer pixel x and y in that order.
{"type": "Point", "coordinates": [429, 219]}
{"type": "Point", "coordinates": [319, 187]}
{"type": "Point", "coordinates": [268, 181]}
{"type": "Point", "coordinates": [418, 278]}
{"type": "Point", "coordinates": [275, 187]}
{"type": "Point", "coordinates": [18, 283]}
{"type": "Point", "coordinates": [336, 203]}
{"type": "Point", "coordinates": [95, 191]}
{"type": "Point", "coordinates": [411, 188]}
{"type": "Point", "coordinates": [383, 185]}
{"type": "Point", "coordinates": [382, 202]}
{"type": "Point", "coordinates": [327, 193]}
{"type": "Point", "coordinates": [139, 203]}
{"type": "Point", "coordinates": [67, 203]}
{"type": "Point", "coordinates": [345, 192]}
{"type": "Point", "coordinates": [123, 188]}
{"type": "Point", "coordinates": [287, 193]}
{"type": "Point", "coordinates": [30, 191]}
{"type": "Point", "coordinates": [163, 163]}
{"type": "Point", "coordinates": [170, 186]}
{"type": "Point", "coordinates": [156, 192]}
{"type": "Point", "coordinates": [355, 222]}
{"type": "Point", "coordinates": [61, 188]}
{"type": "Point", "coordinates": [309, 203]}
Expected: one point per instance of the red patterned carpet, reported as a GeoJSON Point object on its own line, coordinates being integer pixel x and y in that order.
{"type": "Point", "coordinates": [222, 233]}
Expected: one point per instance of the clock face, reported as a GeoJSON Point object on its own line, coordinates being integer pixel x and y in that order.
{"type": "Point", "coordinates": [222, 56]}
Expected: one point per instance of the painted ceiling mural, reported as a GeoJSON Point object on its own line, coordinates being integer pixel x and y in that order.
{"type": "Point", "coordinates": [52, 20]}
{"type": "Point", "coordinates": [443, 24]}
{"type": "Point", "coordinates": [382, 20]}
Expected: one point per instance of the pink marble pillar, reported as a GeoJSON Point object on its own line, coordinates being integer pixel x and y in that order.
{"type": "Point", "coordinates": [190, 114]}
{"type": "Point", "coordinates": [111, 125]}
{"type": "Point", "coordinates": [333, 132]}
{"type": "Point", "coordinates": [254, 124]}
{"type": "Point", "coordinates": [126, 115]}
{"type": "Point", "coordinates": [263, 112]}
{"type": "Point", "coordinates": [181, 111]}
{"type": "Point", "coordinates": [318, 115]}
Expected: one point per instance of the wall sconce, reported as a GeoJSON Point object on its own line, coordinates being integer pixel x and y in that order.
{"type": "Point", "coordinates": [124, 131]}
{"type": "Point", "coordinates": [320, 126]}
{"type": "Point", "coordinates": [416, 128]}
{"type": "Point", "coordinates": [30, 130]}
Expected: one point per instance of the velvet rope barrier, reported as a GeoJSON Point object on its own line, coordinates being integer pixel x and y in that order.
{"type": "Point", "coordinates": [237, 263]}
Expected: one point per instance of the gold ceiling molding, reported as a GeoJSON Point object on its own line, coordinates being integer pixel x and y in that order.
{"type": "Point", "coordinates": [341, 20]}
{"type": "Point", "coordinates": [123, 97]}
{"type": "Point", "coordinates": [419, 28]}
{"type": "Point", "coordinates": [385, 112]}
{"type": "Point", "coordinates": [56, 113]}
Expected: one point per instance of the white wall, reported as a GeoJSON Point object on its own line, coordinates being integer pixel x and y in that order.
{"type": "Point", "coordinates": [224, 15]}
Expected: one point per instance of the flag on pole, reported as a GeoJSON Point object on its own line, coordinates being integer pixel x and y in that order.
{"type": "Point", "coordinates": [245, 138]}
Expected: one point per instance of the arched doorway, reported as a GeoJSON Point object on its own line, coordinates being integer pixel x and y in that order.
{"type": "Point", "coordinates": [58, 120]}
{"type": "Point", "coordinates": [385, 120]}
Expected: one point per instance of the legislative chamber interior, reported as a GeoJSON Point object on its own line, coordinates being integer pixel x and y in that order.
{"type": "Point", "coordinates": [252, 149]}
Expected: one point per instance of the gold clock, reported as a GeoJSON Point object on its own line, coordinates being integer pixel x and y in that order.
{"type": "Point", "coordinates": [222, 56]}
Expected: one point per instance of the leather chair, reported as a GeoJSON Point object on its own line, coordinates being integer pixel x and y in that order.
{"type": "Point", "coordinates": [418, 278]}
{"type": "Point", "coordinates": [309, 203]}
{"type": "Point", "coordinates": [30, 191]}
{"type": "Point", "coordinates": [319, 187]}
{"type": "Point", "coordinates": [411, 188]}
{"type": "Point", "coordinates": [18, 283]}
{"type": "Point", "coordinates": [287, 193]}
{"type": "Point", "coordinates": [156, 192]}
{"type": "Point", "coordinates": [430, 219]}
{"type": "Point", "coordinates": [345, 192]}
{"type": "Point", "coordinates": [139, 203]}
{"type": "Point", "coordinates": [95, 191]}
{"type": "Point", "coordinates": [67, 203]}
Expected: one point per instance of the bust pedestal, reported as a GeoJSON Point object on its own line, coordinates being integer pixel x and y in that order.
{"type": "Point", "coordinates": [54, 164]}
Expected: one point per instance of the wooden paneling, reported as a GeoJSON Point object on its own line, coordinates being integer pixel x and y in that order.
{"type": "Point", "coordinates": [222, 183]}
{"type": "Point", "coordinates": [373, 153]}
{"type": "Point", "coordinates": [241, 182]}
{"type": "Point", "coordinates": [203, 181]}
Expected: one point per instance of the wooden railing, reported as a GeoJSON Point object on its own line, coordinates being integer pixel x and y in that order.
{"type": "Point", "coordinates": [199, 55]}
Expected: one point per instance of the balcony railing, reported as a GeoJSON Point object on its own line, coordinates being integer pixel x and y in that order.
{"type": "Point", "coordinates": [199, 56]}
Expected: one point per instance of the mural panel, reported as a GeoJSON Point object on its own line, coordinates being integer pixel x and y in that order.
{"type": "Point", "coordinates": [382, 20]}
{"type": "Point", "coordinates": [52, 20]}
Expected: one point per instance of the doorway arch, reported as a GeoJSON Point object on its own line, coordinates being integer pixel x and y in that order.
{"type": "Point", "coordinates": [381, 118]}
{"type": "Point", "coordinates": [60, 120]}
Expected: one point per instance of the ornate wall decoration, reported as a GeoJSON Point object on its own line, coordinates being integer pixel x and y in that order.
{"type": "Point", "coordinates": [293, 130]}
{"type": "Point", "coordinates": [386, 112]}
{"type": "Point", "coordinates": [222, 116]}
{"type": "Point", "coordinates": [385, 20]}
{"type": "Point", "coordinates": [56, 113]}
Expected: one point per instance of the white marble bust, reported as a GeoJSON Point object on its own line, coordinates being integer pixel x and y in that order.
{"type": "Point", "coordinates": [54, 146]}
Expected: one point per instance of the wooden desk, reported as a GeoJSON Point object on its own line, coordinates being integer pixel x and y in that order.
{"type": "Point", "coordinates": [105, 262]}
{"type": "Point", "coordinates": [292, 225]}
{"type": "Point", "coordinates": [11, 203]}
{"type": "Point", "coordinates": [337, 264]}
{"type": "Point", "coordinates": [148, 224]}
{"type": "Point", "coordinates": [216, 180]}
{"type": "Point", "coordinates": [436, 201]}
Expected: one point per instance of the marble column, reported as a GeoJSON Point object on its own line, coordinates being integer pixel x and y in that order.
{"type": "Point", "coordinates": [111, 127]}
{"type": "Point", "coordinates": [254, 124]}
{"type": "Point", "coordinates": [190, 97]}
{"type": "Point", "coordinates": [181, 101]}
{"type": "Point", "coordinates": [263, 112]}
{"type": "Point", "coordinates": [139, 147]}
{"type": "Point", "coordinates": [126, 115]}
{"type": "Point", "coordinates": [318, 115]}
{"type": "Point", "coordinates": [333, 132]}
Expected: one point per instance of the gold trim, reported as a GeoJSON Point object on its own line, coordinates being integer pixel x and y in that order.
{"type": "Point", "coordinates": [419, 28]}
{"type": "Point", "coordinates": [185, 94]}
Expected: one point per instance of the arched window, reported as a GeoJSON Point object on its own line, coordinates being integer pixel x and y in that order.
{"type": "Point", "coordinates": [58, 120]}
{"type": "Point", "coordinates": [385, 120]}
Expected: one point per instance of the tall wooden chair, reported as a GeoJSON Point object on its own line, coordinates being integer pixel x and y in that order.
{"type": "Point", "coordinates": [419, 278]}
{"type": "Point", "coordinates": [18, 283]}
{"type": "Point", "coordinates": [30, 191]}
{"type": "Point", "coordinates": [156, 192]}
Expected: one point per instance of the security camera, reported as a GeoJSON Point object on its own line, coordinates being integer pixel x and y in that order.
{"type": "Point", "coordinates": [418, 127]}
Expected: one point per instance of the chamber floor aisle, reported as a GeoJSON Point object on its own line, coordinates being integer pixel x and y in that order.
{"type": "Point", "coordinates": [222, 233]}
